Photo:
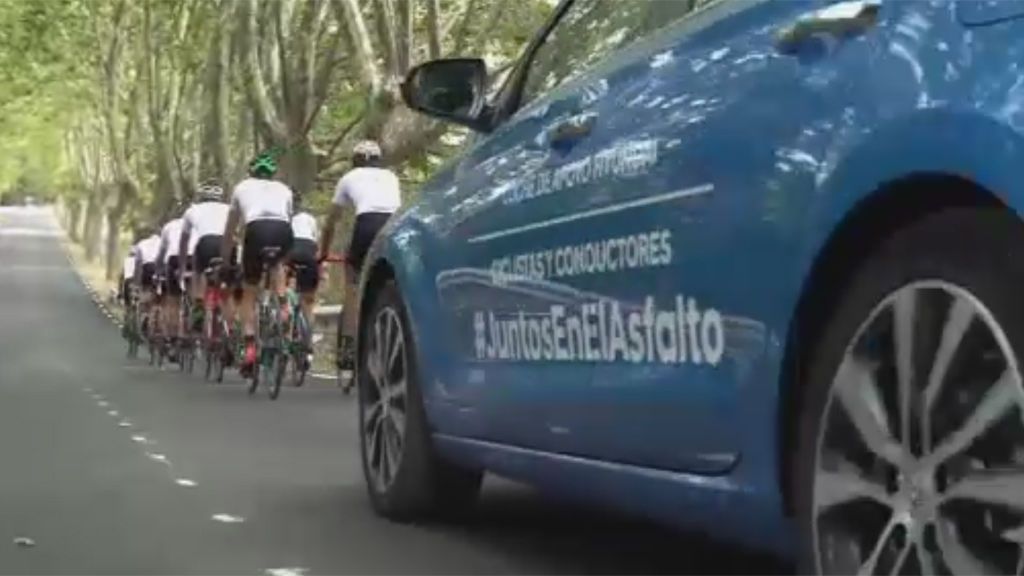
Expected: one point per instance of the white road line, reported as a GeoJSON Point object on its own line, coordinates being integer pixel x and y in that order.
{"type": "Point", "coordinates": [103, 403]}
{"type": "Point", "coordinates": [656, 199]}
{"type": "Point", "coordinates": [113, 413]}
{"type": "Point", "coordinates": [124, 424]}
{"type": "Point", "coordinates": [158, 457]}
{"type": "Point", "coordinates": [140, 439]}
{"type": "Point", "coordinates": [285, 571]}
{"type": "Point", "coordinates": [185, 482]}
{"type": "Point", "coordinates": [227, 518]}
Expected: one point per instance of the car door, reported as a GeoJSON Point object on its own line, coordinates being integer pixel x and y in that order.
{"type": "Point", "coordinates": [711, 132]}
{"type": "Point", "coordinates": [520, 229]}
{"type": "Point", "coordinates": [633, 253]}
{"type": "Point", "coordinates": [511, 372]}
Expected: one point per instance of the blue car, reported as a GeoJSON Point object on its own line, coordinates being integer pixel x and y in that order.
{"type": "Point", "coordinates": [754, 268]}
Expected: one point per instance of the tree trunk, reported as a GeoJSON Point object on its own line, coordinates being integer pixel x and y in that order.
{"type": "Point", "coordinates": [215, 147]}
{"type": "Point", "coordinates": [301, 166]}
{"type": "Point", "coordinates": [73, 216]}
{"type": "Point", "coordinates": [113, 235]}
{"type": "Point", "coordinates": [93, 223]}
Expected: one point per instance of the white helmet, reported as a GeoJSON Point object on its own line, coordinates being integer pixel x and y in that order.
{"type": "Point", "coordinates": [211, 191]}
{"type": "Point", "coordinates": [367, 149]}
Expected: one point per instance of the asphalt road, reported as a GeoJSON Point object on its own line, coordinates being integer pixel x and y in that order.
{"type": "Point", "coordinates": [108, 466]}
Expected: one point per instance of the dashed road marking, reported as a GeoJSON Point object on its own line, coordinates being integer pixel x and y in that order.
{"type": "Point", "coordinates": [227, 519]}
{"type": "Point", "coordinates": [285, 571]}
{"type": "Point", "coordinates": [185, 482]}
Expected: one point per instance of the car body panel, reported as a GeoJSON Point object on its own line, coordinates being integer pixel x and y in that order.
{"type": "Point", "coordinates": [989, 12]}
{"type": "Point", "coordinates": [789, 146]}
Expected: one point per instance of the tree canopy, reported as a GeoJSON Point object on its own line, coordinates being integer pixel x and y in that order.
{"type": "Point", "coordinates": [121, 107]}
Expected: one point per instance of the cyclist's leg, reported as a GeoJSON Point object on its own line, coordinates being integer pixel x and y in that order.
{"type": "Point", "coordinates": [350, 312]}
{"type": "Point", "coordinates": [307, 276]}
{"type": "Point", "coordinates": [173, 299]}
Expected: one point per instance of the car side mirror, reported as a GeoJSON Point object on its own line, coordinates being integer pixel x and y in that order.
{"type": "Point", "coordinates": [451, 89]}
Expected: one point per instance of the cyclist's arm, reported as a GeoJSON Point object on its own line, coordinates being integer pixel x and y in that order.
{"type": "Point", "coordinates": [161, 255]}
{"type": "Point", "coordinates": [327, 234]}
{"type": "Point", "coordinates": [137, 273]}
{"type": "Point", "coordinates": [341, 198]}
{"type": "Point", "coordinates": [230, 228]}
{"type": "Point", "coordinates": [183, 241]}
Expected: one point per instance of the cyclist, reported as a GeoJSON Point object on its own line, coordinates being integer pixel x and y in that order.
{"type": "Point", "coordinates": [127, 278]}
{"type": "Point", "coordinates": [303, 254]}
{"type": "Point", "coordinates": [146, 253]}
{"type": "Point", "coordinates": [172, 267]}
{"type": "Point", "coordinates": [375, 194]}
{"type": "Point", "coordinates": [264, 207]}
{"type": "Point", "coordinates": [201, 233]}
{"type": "Point", "coordinates": [126, 281]}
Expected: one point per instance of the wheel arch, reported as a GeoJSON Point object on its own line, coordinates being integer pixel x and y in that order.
{"type": "Point", "coordinates": [863, 228]}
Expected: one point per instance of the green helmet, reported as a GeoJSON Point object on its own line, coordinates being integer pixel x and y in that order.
{"type": "Point", "coordinates": [263, 164]}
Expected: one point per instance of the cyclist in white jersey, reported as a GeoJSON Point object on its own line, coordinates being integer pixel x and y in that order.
{"type": "Point", "coordinates": [172, 266]}
{"type": "Point", "coordinates": [303, 257]}
{"type": "Point", "coordinates": [375, 194]}
{"type": "Point", "coordinates": [146, 253]}
{"type": "Point", "coordinates": [264, 207]}
{"type": "Point", "coordinates": [126, 281]}
{"type": "Point", "coordinates": [202, 231]}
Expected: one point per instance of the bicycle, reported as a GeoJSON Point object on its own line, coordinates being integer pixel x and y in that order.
{"type": "Point", "coordinates": [345, 383]}
{"type": "Point", "coordinates": [219, 342]}
{"type": "Point", "coordinates": [132, 330]}
{"type": "Point", "coordinates": [268, 337]}
{"type": "Point", "coordinates": [155, 341]}
{"type": "Point", "coordinates": [187, 344]}
{"type": "Point", "coordinates": [299, 339]}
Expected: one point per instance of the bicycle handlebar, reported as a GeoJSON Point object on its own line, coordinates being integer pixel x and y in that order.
{"type": "Point", "coordinates": [336, 259]}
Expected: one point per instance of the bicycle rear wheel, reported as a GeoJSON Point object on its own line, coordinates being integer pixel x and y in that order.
{"type": "Point", "coordinates": [280, 369]}
{"type": "Point", "coordinates": [302, 350]}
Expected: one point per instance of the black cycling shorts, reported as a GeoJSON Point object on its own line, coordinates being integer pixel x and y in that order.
{"type": "Point", "coordinates": [368, 224]}
{"type": "Point", "coordinates": [148, 273]}
{"type": "Point", "coordinates": [172, 284]}
{"type": "Point", "coordinates": [259, 235]}
{"type": "Point", "coordinates": [126, 290]}
{"type": "Point", "coordinates": [303, 260]}
{"type": "Point", "coordinates": [207, 249]}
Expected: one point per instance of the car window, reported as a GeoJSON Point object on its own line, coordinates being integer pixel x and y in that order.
{"type": "Point", "coordinates": [590, 30]}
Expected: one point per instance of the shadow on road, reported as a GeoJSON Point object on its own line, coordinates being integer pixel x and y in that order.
{"type": "Point", "coordinates": [563, 537]}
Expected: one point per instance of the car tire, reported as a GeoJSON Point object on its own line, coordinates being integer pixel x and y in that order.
{"type": "Point", "coordinates": [974, 259]}
{"type": "Point", "coordinates": [420, 485]}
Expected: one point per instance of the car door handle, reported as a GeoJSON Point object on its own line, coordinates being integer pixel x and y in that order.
{"type": "Point", "coordinates": [571, 129]}
{"type": "Point", "coordinates": [841, 20]}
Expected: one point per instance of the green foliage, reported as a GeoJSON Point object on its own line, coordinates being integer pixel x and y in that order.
{"type": "Point", "coordinates": [57, 58]}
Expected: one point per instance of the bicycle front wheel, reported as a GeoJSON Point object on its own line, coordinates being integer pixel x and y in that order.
{"type": "Point", "coordinates": [280, 369]}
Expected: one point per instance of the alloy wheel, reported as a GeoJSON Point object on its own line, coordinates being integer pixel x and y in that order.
{"type": "Point", "coordinates": [919, 465]}
{"type": "Point", "coordinates": [384, 398]}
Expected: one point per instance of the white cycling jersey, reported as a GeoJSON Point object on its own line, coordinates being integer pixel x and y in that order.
{"type": "Point", "coordinates": [262, 200]}
{"type": "Point", "coordinates": [170, 237]}
{"type": "Point", "coordinates": [148, 249]}
{"type": "Point", "coordinates": [128, 266]}
{"type": "Point", "coordinates": [204, 219]}
{"type": "Point", "coordinates": [369, 189]}
{"type": "Point", "coordinates": [304, 227]}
